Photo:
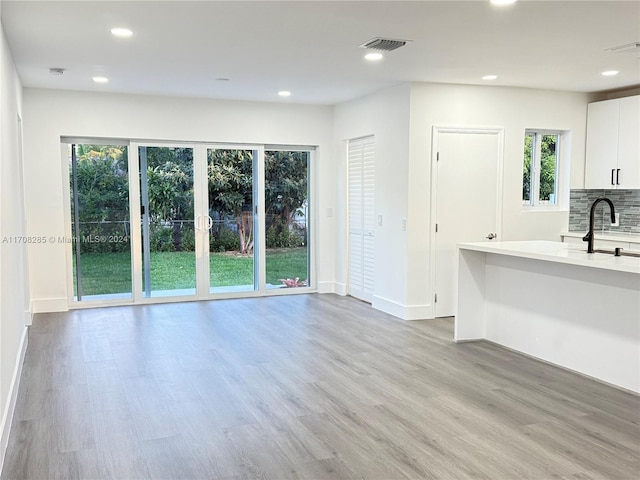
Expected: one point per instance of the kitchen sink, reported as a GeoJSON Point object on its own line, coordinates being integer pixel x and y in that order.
{"type": "Point", "coordinates": [623, 253]}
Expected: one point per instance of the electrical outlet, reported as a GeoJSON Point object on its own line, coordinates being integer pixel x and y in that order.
{"type": "Point", "coordinates": [404, 224]}
{"type": "Point", "coordinates": [379, 220]}
{"type": "Point", "coordinates": [329, 212]}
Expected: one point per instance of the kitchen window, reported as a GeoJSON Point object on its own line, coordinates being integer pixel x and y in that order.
{"type": "Point", "coordinates": [540, 172]}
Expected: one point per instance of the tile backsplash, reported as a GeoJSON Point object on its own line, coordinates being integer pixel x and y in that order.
{"type": "Point", "coordinates": [626, 202]}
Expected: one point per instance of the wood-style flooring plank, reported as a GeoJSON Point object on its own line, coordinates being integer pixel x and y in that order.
{"type": "Point", "coordinates": [307, 387]}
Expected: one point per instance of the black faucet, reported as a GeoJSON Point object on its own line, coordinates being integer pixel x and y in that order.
{"type": "Point", "coordinates": [589, 236]}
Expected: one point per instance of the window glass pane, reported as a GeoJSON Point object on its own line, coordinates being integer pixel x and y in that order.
{"type": "Point", "coordinates": [287, 219]}
{"type": "Point", "coordinates": [231, 220]}
{"type": "Point", "coordinates": [529, 146]}
{"type": "Point", "coordinates": [168, 234]}
{"type": "Point", "coordinates": [548, 169]}
{"type": "Point", "coordinates": [100, 221]}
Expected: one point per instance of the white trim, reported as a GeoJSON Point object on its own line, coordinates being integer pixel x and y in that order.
{"type": "Point", "coordinates": [274, 292]}
{"type": "Point", "coordinates": [47, 305]}
{"type": "Point", "coordinates": [7, 415]}
{"type": "Point", "coordinates": [94, 141]}
{"type": "Point", "coordinates": [28, 315]}
{"type": "Point", "coordinates": [327, 287]}
{"type": "Point", "coordinates": [403, 312]}
{"type": "Point", "coordinates": [313, 211]}
{"type": "Point", "coordinates": [419, 312]}
{"type": "Point", "coordinates": [436, 131]}
{"type": "Point", "coordinates": [148, 142]}
{"type": "Point", "coordinates": [26, 281]}
{"type": "Point", "coordinates": [286, 148]}
{"type": "Point", "coordinates": [260, 222]}
{"type": "Point", "coordinates": [388, 306]}
{"type": "Point", "coordinates": [340, 288]}
{"type": "Point", "coordinates": [135, 241]}
{"type": "Point", "coordinates": [68, 232]}
{"type": "Point", "coordinates": [201, 213]}
{"type": "Point", "coordinates": [562, 175]}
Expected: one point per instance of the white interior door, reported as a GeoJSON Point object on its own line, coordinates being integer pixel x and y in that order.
{"type": "Point", "coordinates": [467, 207]}
{"type": "Point", "coordinates": [361, 163]}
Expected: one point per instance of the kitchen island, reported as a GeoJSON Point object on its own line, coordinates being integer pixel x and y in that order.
{"type": "Point", "coordinates": [555, 302]}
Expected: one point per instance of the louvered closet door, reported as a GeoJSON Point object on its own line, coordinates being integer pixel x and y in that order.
{"type": "Point", "coordinates": [361, 218]}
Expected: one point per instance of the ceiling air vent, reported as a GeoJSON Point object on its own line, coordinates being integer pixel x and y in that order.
{"type": "Point", "coordinates": [384, 44]}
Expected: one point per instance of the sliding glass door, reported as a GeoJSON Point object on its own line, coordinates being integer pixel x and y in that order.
{"type": "Point", "coordinates": [231, 219]}
{"type": "Point", "coordinates": [167, 216]}
{"type": "Point", "coordinates": [209, 220]}
{"type": "Point", "coordinates": [286, 209]}
{"type": "Point", "coordinates": [100, 221]}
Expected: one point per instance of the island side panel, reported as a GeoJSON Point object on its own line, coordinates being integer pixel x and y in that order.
{"type": "Point", "coordinates": [470, 316]}
{"type": "Point", "coordinates": [584, 319]}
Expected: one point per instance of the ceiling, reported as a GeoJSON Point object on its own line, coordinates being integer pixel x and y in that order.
{"type": "Point", "coordinates": [311, 47]}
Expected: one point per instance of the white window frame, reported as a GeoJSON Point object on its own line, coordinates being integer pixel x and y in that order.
{"type": "Point", "coordinates": [134, 194]}
{"type": "Point", "coordinates": [561, 175]}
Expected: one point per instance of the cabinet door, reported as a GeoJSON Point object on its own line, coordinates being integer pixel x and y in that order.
{"type": "Point", "coordinates": [602, 143]}
{"type": "Point", "coordinates": [629, 143]}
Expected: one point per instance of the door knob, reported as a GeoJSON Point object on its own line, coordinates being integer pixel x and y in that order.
{"type": "Point", "coordinates": [491, 236]}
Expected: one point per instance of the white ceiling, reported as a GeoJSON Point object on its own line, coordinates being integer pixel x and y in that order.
{"type": "Point", "coordinates": [311, 47]}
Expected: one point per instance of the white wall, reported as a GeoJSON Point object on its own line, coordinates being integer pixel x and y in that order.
{"type": "Point", "coordinates": [385, 115]}
{"type": "Point", "coordinates": [514, 109]}
{"type": "Point", "coordinates": [402, 119]}
{"type": "Point", "coordinates": [50, 114]}
{"type": "Point", "coordinates": [14, 294]}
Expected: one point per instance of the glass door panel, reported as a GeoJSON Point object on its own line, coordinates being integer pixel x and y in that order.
{"type": "Point", "coordinates": [100, 222]}
{"type": "Point", "coordinates": [287, 219]}
{"type": "Point", "coordinates": [232, 225]}
{"type": "Point", "coordinates": [168, 229]}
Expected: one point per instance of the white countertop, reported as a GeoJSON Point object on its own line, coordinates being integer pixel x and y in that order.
{"type": "Point", "coordinates": [558, 252]}
{"type": "Point", "coordinates": [607, 235]}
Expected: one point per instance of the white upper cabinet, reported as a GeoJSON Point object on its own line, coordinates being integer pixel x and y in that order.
{"type": "Point", "coordinates": [602, 144]}
{"type": "Point", "coordinates": [613, 144]}
{"type": "Point", "coordinates": [629, 142]}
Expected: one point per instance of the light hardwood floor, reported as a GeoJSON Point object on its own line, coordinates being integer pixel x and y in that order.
{"type": "Point", "coordinates": [302, 387]}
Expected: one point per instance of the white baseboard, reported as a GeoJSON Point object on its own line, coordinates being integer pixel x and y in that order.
{"type": "Point", "coordinates": [28, 316]}
{"type": "Point", "coordinates": [332, 287]}
{"type": "Point", "coordinates": [404, 312]}
{"type": "Point", "coordinates": [340, 288]}
{"type": "Point", "coordinates": [325, 287]}
{"type": "Point", "coordinates": [48, 305]}
{"type": "Point", "coordinates": [420, 312]}
{"type": "Point", "coordinates": [7, 415]}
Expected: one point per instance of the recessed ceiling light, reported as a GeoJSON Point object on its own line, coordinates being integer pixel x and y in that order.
{"type": "Point", "coordinates": [121, 32]}
{"type": "Point", "coordinates": [100, 79]}
{"type": "Point", "coordinates": [373, 56]}
{"type": "Point", "coordinates": [610, 73]}
{"type": "Point", "coordinates": [490, 77]}
{"type": "Point", "coordinates": [501, 3]}
{"type": "Point", "coordinates": [284, 93]}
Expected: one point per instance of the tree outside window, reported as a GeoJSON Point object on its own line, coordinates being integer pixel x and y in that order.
{"type": "Point", "coordinates": [540, 169]}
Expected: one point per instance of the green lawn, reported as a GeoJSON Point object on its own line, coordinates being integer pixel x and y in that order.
{"type": "Point", "coordinates": [107, 273]}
